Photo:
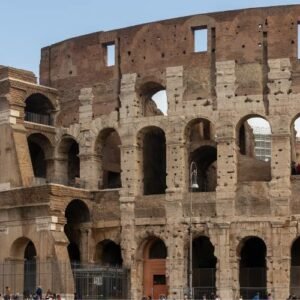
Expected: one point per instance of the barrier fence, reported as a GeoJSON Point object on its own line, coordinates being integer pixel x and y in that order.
{"type": "Point", "coordinates": [89, 281]}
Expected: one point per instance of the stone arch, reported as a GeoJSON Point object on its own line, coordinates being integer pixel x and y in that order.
{"type": "Point", "coordinates": [107, 147]}
{"type": "Point", "coordinates": [254, 145]}
{"type": "Point", "coordinates": [201, 149]}
{"type": "Point", "coordinates": [151, 142]}
{"type": "Point", "coordinates": [295, 267]}
{"type": "Point", "coordinates": [23, 255]}
{"type": "Point", "coordinates": [68, 154]}
{"type": "Point", "coordinates": [39, 109]}
{"type": "Point", "coordinates": [76, 214]}
{"type": "Point", "coordinates": [252, 251]}
{"type": "Point", "coordinates": [40, 150]}
{"type": "Point", "coordinates": [154, 267]}
{"type": "Point", "coordinates": [150, 105]}
{"type": "Point", "coordinates": [108, 253]}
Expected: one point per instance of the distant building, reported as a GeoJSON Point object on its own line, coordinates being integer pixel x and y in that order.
{"type": "Point", "coordinates": [262, 147]}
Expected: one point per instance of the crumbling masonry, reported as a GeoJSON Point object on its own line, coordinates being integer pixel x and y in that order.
{"type": "Point", "coordinates": [92, 171]}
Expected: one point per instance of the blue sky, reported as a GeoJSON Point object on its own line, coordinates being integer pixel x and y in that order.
{"type": "Point", "coordinates": [28, 25]}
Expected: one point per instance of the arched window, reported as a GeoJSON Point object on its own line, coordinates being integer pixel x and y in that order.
{"type": "Point", "coordinates": [76, 213]}
{"type": "Point", "coordinates": [39, 109]}
{"type": "Point", "coordinates": [40, 149]}
{"type": "Point", "coordinates": [202, 150]}
{"type": "Point", "coordinates": [152, 142]}
{"type": "Point", "coordinates": [108, 148]}
{"type": "Point", "coordinates": [68, 152]}
{"type": "Point", "coordinates": [153, 99]}
{"type": "Point", "coordinates": [254, 140]}
{"type": "Point", "coordinates": [158, 250]}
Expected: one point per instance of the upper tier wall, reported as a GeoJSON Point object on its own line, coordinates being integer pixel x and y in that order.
{"type": "Point", "coordinates": [250, 37]}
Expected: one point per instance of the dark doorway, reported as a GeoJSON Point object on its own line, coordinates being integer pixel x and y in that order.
{"type": "Point", "coordinates": [253, 274]}
{"type": "Point", "coordinates": [204, 268]}
{"type": "Point", "coordinates": [295, 268]}
{"type": "Point", "coordinates": [29, 269]}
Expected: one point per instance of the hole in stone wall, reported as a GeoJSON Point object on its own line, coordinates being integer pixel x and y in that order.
{"type": "Point", "coordinates": [200, 39]}
{"type": "Point", "coordinates": [110, 54]}
{"type": "Point", "coordinates": [154, 99]}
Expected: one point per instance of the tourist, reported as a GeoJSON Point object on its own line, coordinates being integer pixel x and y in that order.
{"type": "Point", "coordinates": [269, 297]}
{"type": "Point", "coordinates": [7, 294]}
{"type": "Point", "coordinates": [256, 297]}
{"type": "Point", "coordinates": [39, 293]}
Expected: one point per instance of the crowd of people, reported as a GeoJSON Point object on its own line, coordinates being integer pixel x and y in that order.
{"type": "Point", "coordinates": [38, 295]}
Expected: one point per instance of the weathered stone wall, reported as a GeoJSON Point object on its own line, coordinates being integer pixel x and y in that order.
{"type": "Point", "coordinates": [249, 69]}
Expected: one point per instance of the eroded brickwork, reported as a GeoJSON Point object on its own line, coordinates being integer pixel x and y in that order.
{"type": "Point", "coordinates": [90, 143]}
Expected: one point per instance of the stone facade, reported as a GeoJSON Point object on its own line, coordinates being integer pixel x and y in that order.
{"type": "Point", "coordinates": [106, 146]}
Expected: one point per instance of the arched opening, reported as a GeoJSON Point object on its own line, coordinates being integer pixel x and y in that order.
{"type": "Point", "coordinates": [69, 154]}
{"type": "Point", "coordinates": [76, 213]}
{"type": "Point", "coordinates": [29, 269]}
{"type": "Point", "coordinates": [38, 160]}
{"type": "Point", "coordinates": [155, 254]}
{"type": "Point", "coordinates": [108, 148]}
{"type": "Point", "coordinates": [38, 109]}
{"type": "Point", "coordinates": [254, 142]}
{"type": "Point", "coordinates": [201, 148]}
{"type": "Point", "coordinates": [204, 268]}
{"type": "Point", "coordinates": [108, 253]}
{"type": "Point", "coordinates": [253, 271]}
{"type": "Point", "coordinates": [153, 148]}
{"type": "Point", "coordinates": [24, 249]}
{"type": "Point", "coordinates": [154, 99]}
{"type": "Point", "coordinates": [40, 149]}
{"type": "Point", "coordinates": [205, 158]}
{"type": "Point", "coordinates": [295, 268]}
{"type": "Point", "coordinates": [295, 147]}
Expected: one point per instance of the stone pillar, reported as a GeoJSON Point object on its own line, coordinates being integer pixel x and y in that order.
{"type": "Point", "coordinates": [280, 101]}
{"type": "Point", "coordinates": [175, 89]}
{"type": "Point", "coordinates": [130, 104]}
{"type": "Point", "coordinates": [176, 182]}
{"type": "Point", "coordinates": [227, 168]}
{"type": "Point", "coordinates": [279, 263]}
{"type": "Point", "coordinates": [84, 244]}
{"type": "Point", "coordinates": [90, 171]}
{"type": "Point", "coordinates": [60, 170]}
{"type": "Point", "coordinates": [128, 192]}
{"type": "Point", "coordinates": [220, 237]}
{"type": "Point", "coordinates": [280, 191]}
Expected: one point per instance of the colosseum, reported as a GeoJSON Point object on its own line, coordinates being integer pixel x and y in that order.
{"type": "Point", "coordinates": [106, 195]}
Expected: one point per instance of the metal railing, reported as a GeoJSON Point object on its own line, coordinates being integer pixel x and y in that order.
{"type": "Point", "coordinates": [38, 118]}
{"type": "Point", "coordinates": [96, 282]}
{"type": "Point", "coordinates": [90, 281]}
